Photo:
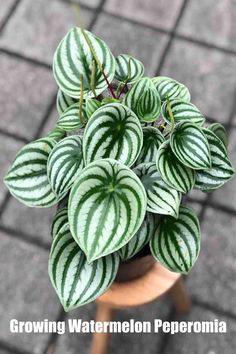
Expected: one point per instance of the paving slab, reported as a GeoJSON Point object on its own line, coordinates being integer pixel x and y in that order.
{"type": "Point", "coordinates": [124, 37]}
{"type": "Point", "coordinates": [5, 8]}
{"type": "Point", "coordinates": [120, 342]}
{"type": "Point", "coordinates": [208, 73]}
{"type": "Point", "coordinates": [35, 31]}
{"type": "Point", "coordinates": [26, 293]}
{"type": "Point", "coordinates": [26, 92]}
{"type": "Point", "coordinates": [202, 343]}
{"type": "Point", "coordinates": [9, 147]}
{"type": "Point", "coordinates": [212, 22]}
{"type": "Point", "coordinates": [226, 195]}
{"type": "Point", "coordinates": [4, 352]}
{"type": "Point", "coordinates": [160, 14]}
{"type": "Point", "coordinates": [212, 280]}
{"type": "Point", "coordinates": [89, 3]}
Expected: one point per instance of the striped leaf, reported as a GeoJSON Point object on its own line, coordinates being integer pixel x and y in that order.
{"type": "Point", "coordinates": [73, 59]}
{"type": "Point", "coordinates": [182, 111]}
{"type": "Point", "coordinates": [167, 87]}
{"type": "Point", "coordinates": [70, 119]}
{"type": "Point", "coordinates": [59, 220]}
{"type": "Point", "coordinates": [152, 139]}
{"type": "Point", "coordinates": [161, 198]}
{"type": "Point", "coordinates": [113, 131]}
{"type": "Point", "coordinates": [190, 146]}
{"type": "Point", "coordinates": [172, 171]}
{"type": "Point", "coordinates": [148, 106]}
{"type": "Point", "coordinates": [27, 177]}
{"type": "Point", "coordinates": [140, 239]}
{"type": "Point", "coordinates": [75, 281]}
{"type": "Point", "coordinates": [91, 106]}
{"type": "Point", "coordinates": [65, 163]}
{"type": "Point", "coordinates": [128, 69]}
{"type": "Point", "coordinates": [176, 243]}
{"type": "Point", "coordinates": [219, 130]}
{"type": "Point", "coordinates": [221, 170]}
{"type": "Point", "coordinates": [107, 205]}
{"type": "Point", "coordinates": [56, 134]}
{"type": "Point", "coordinates": [64, 101]}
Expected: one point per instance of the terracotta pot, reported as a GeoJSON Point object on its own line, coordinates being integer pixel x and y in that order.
{"type": "Point", "coordinates": [134, 268]}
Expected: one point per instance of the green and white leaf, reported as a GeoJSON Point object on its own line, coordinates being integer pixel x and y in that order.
{"type": "Point", "coordinates": [128, 69]}
{"type": "Point", "coordinates": [182, 111]}
{"type": "Point", "coordinates": [60, 219]}
{"type": "Point", "coordinates": [107, 205]}
{"type": "Point", "coordinates": [221, 171]}
{"type": "Point", "coordinates": [65, 163]}
{"type": "Point", "coordinates": [190, 146]}
{"type": "Point", "coordinates": [168, 87]}
{"type": "Point", "coordinates": [113, 131]}
{"type": "Point", "coordinates": [176, 243]}
{"type": "Point", "coordinates": [172, 171]}
{"type": "Point", "coordinates": [148, 106]}
{"type": "Point", "coordinates": [219, 130]}
{"type": "Point", "coordinates": [152, 140]}
{"type": "Point", "coordinates": [70, 119]}
{"type": "Point", "coordinates": [161, 198]}
{"type": "Point", "coordinates": [75, 281]}
{"type": "Point", "coordinates": [73, 59]}
{"type": "Point", "coordinates": [64, 101]}
{"type": "Point", "coordinates": [91, 106]}
{"type": "Point", "coordinates": [27, 177]}
{"type": "Point", "coordinates": [140, 239]}
{"type": "Point", "coordinates": [57, 134]}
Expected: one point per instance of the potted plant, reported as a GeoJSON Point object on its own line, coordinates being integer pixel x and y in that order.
{"type": "Point", "coordinates": [125, 150]}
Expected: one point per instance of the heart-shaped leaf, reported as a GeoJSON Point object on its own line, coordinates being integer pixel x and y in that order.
{"type": "Point", "coordinates": [169, 88]}
{"type": "Point", "coordinates": [152, 139]}
{"type": "Point", "coordinates": [172, 171]}
{"type": "Point", "coordinates": [176, 243]}
{"type": "Point", "coordinates": [190, 146]}
{"type": "Point", "coordinates": [182, 111]}
{"type": "Point", "coordinates": [91, 106]}
{"type": "Point", "coordinates": [56, 134]}
{"type": "Point", "coordinates": [128, 69]}
{"type": "Point", "coordinates": [113, 131]}
{"type": "Point", "coordinates": [64, 101]}
{"type": "Point", "coordinates": [221, 170]}
{"type": "Point", "coordinates": [141, 238]}
{"type": "Point", "coordinates": [219, 130]}
{"type": "Point", "coordinates": [161, 198]}
{"type": "Point", "coordinates": [148, 106]}
{"type": "Point", "coordinates": [75, 281]}
{"type": "Point", "coordinates": [27, 177]}
{"type": "Point", "coordinates": [65, 163]}
{"type": "Point", "coordinates": [59, 220]}
{"type": "Point", "coordinates": [70, 120]}
{"type": "Point", "coordinates": [107, 205]}
{"type": "Point", "coordinates": [73, 59]}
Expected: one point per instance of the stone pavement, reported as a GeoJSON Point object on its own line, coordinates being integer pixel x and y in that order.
{"type": "Point", "coordinates": [190, 40]}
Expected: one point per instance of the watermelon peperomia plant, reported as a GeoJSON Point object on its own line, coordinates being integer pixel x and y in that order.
{"type": "Point", "coordinates": [119, 182]}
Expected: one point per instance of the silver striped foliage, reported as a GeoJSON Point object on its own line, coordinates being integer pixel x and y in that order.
{"type": "Point", "coordinates": [141, 238]}
{"type": "Point", "coordinates": [168, 87]}
{"type": "Point", "coordinates": [27, 177]}
{"type": "Point", "coordinates": [73, 59]}
{"type": "Point", "coordinates": [91, 106]}
{"type": "Point", "coordinates": [190, 146]}
{"type": "Point", "coordinates": [172, 171]}
{"type": "Point", "coordinates": [182, 111]}
{"type": "Point", "coordinates": [107, 205]}
{"type": "Point", "coordinates": [152, 139]}
{"type": "Point", "coordinates": [75, 281]}
{"type": "Point", "coordinates": [176, 243]}
{"type": "Point", "coordinates": [113, 131]}
{"type": "Point", "coordinates": [57, 133]}
{"type": "Point", "coordinates": [219, 130]}
{"type": "Point", "coordinates": [148, 106]}
{"type": "Point", "coordinates": [64, 101]}
{"type": "Point", "coordinates": [161, 198]}
{"type": "Point", "coordinates": [221, 170]}
{"type": "Point", "coordinates": [70, 119]}
{"type": "Point", "coordinates": [128, 69]}
{"type": "Point", "coordinates": [60, 219]}
{"type": "Point", "coordinates": [65, 163]}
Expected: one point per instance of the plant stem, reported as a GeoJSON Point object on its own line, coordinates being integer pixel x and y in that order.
{"type": "Point", "coordinates": [172, 119]}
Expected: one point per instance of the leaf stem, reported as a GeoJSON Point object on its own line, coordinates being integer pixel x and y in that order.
{"type": "Point", "coordinates": [81, 99]}
{"type": "Point", "coordinates": [172, 119]}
